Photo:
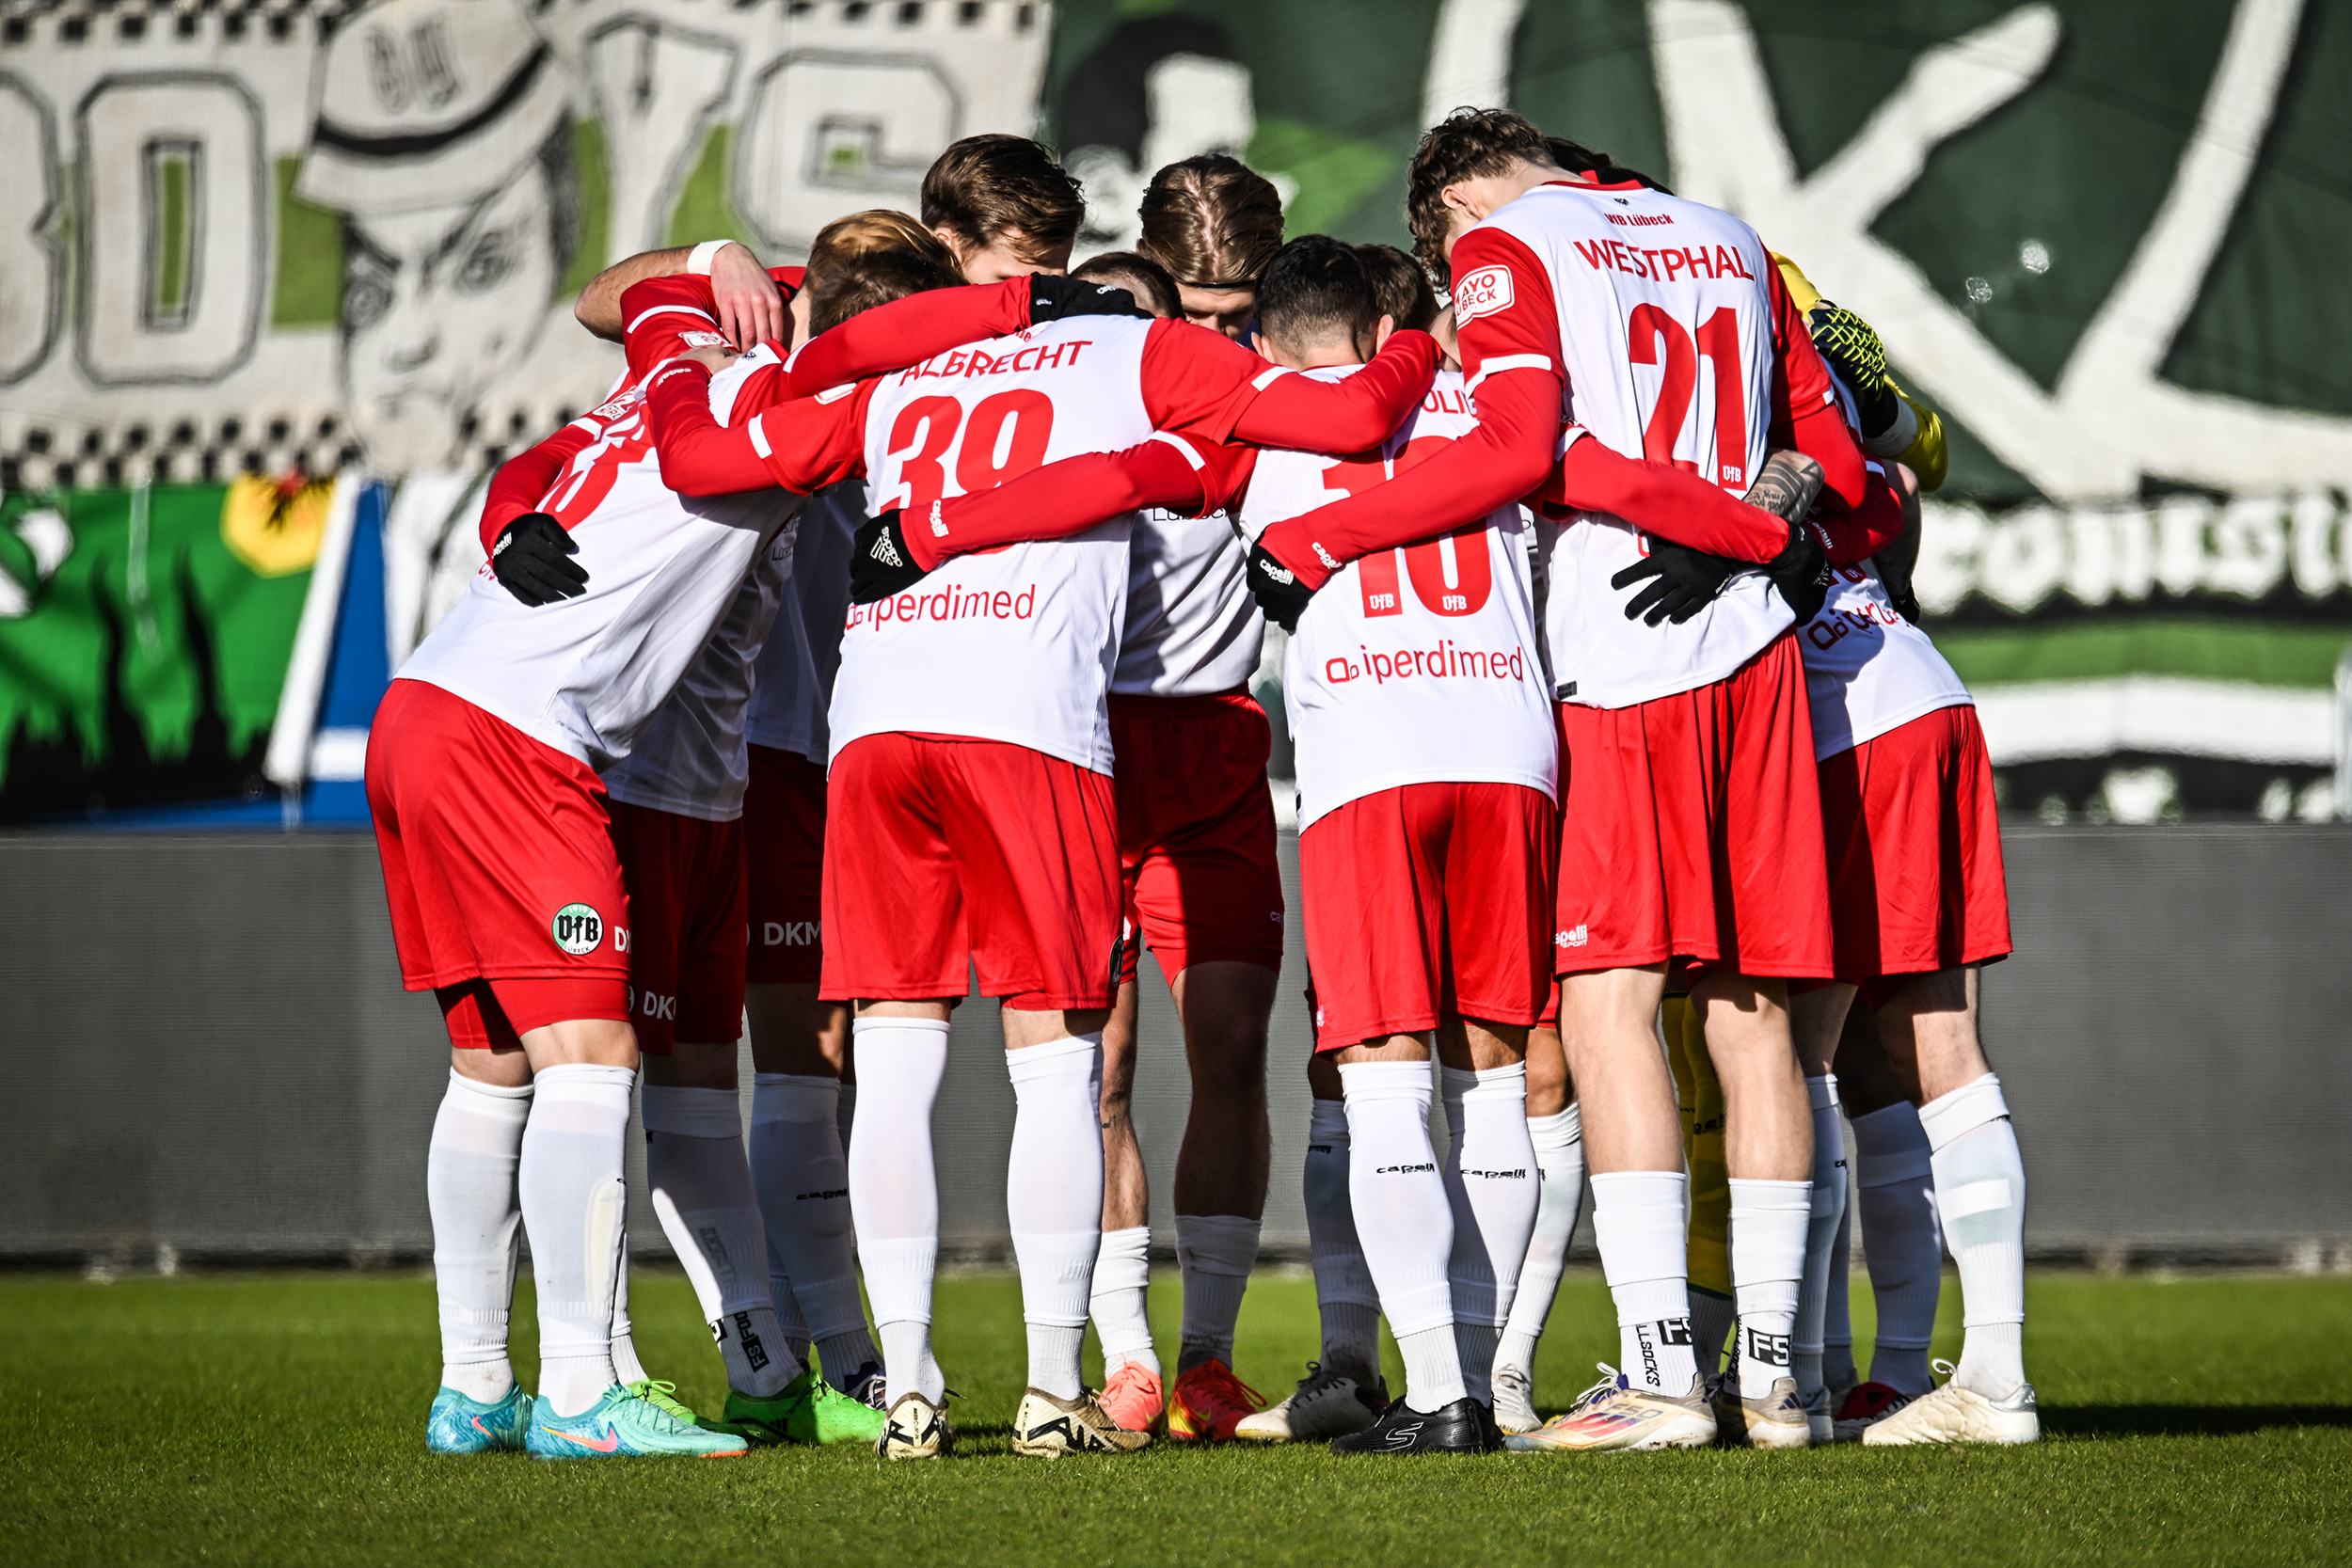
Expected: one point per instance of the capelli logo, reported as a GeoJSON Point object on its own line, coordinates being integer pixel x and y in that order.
{"type": "Point", "coordinates": [1403, 1170]}
{"type": "Point", "coordinates": [1572, 938]}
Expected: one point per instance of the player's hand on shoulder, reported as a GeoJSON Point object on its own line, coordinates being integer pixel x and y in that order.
{"type": "Point", "coordinates": [1053, 296]}
{"type": "Point", "coordinates": [881, 565]}
{"type": "Point", "coordinates": [1275, 588]}
{"type": "Point", "coordinates": [750, 305]}
{"type": "Point", "coordinates": [713, 358]}
{"type": "Point", "coordinates": [532, 560]}
{"type": "Point", "coordinates": [1677, 581]}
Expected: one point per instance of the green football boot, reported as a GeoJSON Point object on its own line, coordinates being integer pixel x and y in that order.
{"type": "Point", "coordinates": [807, 1410]}
{"type": "Point", "coordinates": [620, 1425]}
{"type": "Point", "coordinates": [462, 1425]}
{"type": "Point", "coordinates": [663, 1397]}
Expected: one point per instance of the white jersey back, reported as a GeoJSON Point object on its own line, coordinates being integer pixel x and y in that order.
{"type": "Point", "coordinates": [690, 759]}
{"type": "Point", "coordinates": [1418, 665]}
{"type": "Point", "coordinates": [804, 648]}
{"type": "Point", "coordinates": [1192, 627]}
{"type": "Point", "coordinates": [1015, 644]}
{"type": "Point", "coordinates": [1667, 327]}
{"type": "Point", "coordinates": [585, 674]}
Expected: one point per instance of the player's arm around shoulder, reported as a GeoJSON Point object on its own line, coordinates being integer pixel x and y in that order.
{"type": "Point", "coordinates": [746, 299]}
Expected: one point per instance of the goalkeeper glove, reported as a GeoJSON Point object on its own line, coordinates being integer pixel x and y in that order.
{"type": "Point", "coordinates": [532, 560]}
{"type": "Point", "coordinates": [1855, 352]}
{"type": "Point", "coordinates": [1685, 581]}
{"type": "Point", "coordinates": [881, 563]}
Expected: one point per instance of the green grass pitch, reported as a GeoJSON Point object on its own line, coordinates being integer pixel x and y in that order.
{"type": "Point", "coordinates": [279, 1418]}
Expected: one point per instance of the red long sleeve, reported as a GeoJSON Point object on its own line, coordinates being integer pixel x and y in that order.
{"type": "Point", "coordinates": [801, 446]}
{"type": "Point", "coordinates": [906, 332]}
{"type": "Point", "coordinates": [1805, 414]}
{"type": "Point", "coordinates": [1352, 415]}
{"type": "Point", "coordinates": [1662, 500]}
{"type": "Point", "coordinates": [1866, 529]}
{"type": "Point", "coordinates": [1059, 499]}
{"type": "Point", "coordinates": [524, 480]}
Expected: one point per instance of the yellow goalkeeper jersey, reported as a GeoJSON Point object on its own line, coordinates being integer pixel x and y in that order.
{"type": "Point", "coordinates": [1924, 454]}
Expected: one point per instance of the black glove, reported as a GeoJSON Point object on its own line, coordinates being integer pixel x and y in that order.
{"type": "Point", "coordinates": [1053, 296]}
{"type": "Point", "coordinates": [880, 563]}
{"type": "Point", "coordinates": [1802, 572]}
{"type": "Point", "coordinates": [1895, 576]}
{"type": "Point", "coordinates": [1685, 581]}
{"type": "Point", "coordinates": [532, 560]}
{"type": "Point", "coordinates": [1859, 360]}
{"type": "Point", "coordinates": [1275, 588]}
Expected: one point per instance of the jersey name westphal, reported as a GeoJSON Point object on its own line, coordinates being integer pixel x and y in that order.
{"type": "Point", "coordinates": [1417, 665]}
{"type": "Point", "coordinates": [585, 674]}
{"type": "Point", "coordinates": [1663, 314]}
{"type": "Point", "coordinates": [1015, 644]}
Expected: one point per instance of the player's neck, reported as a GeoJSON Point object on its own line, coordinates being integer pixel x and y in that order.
{"type": "Point", "coordinates": [1322, 356]}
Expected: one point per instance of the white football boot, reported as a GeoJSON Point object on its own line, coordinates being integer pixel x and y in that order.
{"type": "Point", "coordinates": [1514, 1400]}
{"type": "Point", "coordinates": [1955, 1415]}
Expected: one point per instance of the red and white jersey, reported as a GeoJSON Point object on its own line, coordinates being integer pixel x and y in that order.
{"type": "Point", "coordinates": [1868, 669]}
{"type": "Point", "coordinates": [586, 675]}
{"type": "Point", "coordinates": [804, 648]}
{"type": "Point", "coordinates": [1015, 644]}
{"type": "Point", "coordinates": [1417, 665]}
{"type": "Point", "coordinates": [690, 760]}
{"type": "Point", "coordinates": [1192, 627]}
{"type": "Point", "coordinates": [1667, 310]}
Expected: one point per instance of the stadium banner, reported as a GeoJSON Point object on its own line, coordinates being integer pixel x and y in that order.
{"type": "Point", "coordinates": [285, 236]}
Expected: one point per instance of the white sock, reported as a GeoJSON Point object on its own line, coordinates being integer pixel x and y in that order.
{"type": "Point", "coordinates": [574, 1202]}
{"type": "Point", "coordinates": [1821, 1238]}
{"type": "Point", "coordinates": [1054, 1199]}
{"type": "Point", "coordinates": [1768, 1224]}
{"type": "Point", "coordinates": [626, 1367]}
{"type": "Point", "coordinates": [1559, 1145]}
{"type": "Point", "coordinates": [1121, 1294]}
{"type": "Point", "coordinates": [469, 1191]}
{"type": "Point", "coordinates": [702, 1194]}
{"type": "Point", "coordinates": [894, 1191]}
{"type": "Point", "coordinates": [1404, 1220]}
{"type": "Point", "coordinates": [1980, 1194]}
{"type": "Point", "coordinates": [1493, 1185]}
{"type": "Point", "coordinates": [802, 1181]}
{"type": "Point", "coordinates": [1350, 1307]}
{"type": "Point", "coordinates": [1903, 1245]}
{"type": "Point", "coordinates": [1215, 1254]}
{"type": "Point", "coordinates": [1639, 1224]}
{"type": "Point", "coordinates": [1838, 1368]}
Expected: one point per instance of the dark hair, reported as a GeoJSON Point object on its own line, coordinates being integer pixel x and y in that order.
{"type": "Point", "coordinates": [1211, 221]}
{"type": "Point", "coordinates": [1577, 158]}
{"type": "Point", "coordinates": [1468, 144]}
{"type": "Point", "coordinates": [1399, 288]}
{"type": "Point", "coordinates": [984, 187]}
{"type": "Point", "coordinates": [877, 278]}
{"type": "Point", "coordinates": [1316, 288]}
{"type": "Point", "coordinates": [1138, 275]}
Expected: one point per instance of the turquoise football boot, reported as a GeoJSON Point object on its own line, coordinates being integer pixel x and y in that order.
{"type": "Point", "coordinates": [462, 1425]}
{"type": "Point", "coordinates": [620, 1425]}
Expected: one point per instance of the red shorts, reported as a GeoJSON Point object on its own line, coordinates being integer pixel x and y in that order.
{"type": "Point", "coordinates": [498, 865]}
{"type": "Point", "coordinates": [1691, 827]}
{"type": "Point", "coordinates": [1196, 831]}
{"type": "Point", "coordinates": [684, 879]}
{"type": "Point", "coordinates": [1424, 902]}
{"type": "Point", "coordinates": [944, 855]}
{"type": "Point", "coordinates": [784, 847]}
{"type": "Point", "coordinates": [1915, 850]}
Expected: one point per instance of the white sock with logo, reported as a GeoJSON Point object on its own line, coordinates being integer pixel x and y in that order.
{"type": "Point", "coordinates": [1902, 1246]}
{"type": "Point", "coordinates": [1559, 1145]}
{"type": "Point", "coordinates": [1980, 1195]}
{"type": "Point", "coordinates": [1820, 1239]}
{"type": "Point", "coordinates": [1638, 1224]}
{"type": "Point", "coordinates": [1054, 1199]}
{"type": "Point", "coordinates": [1493, 1187]}
{"type": "Point", "coordinates": [702, 1194]}
{"type": "Point", "coordinates": [1769, 1221]}
{"type": "Point", "coordinates": [469, 1191]}
{"type": "Point", "coordinates": [894, 1192]}
{"type": "Point", "coordinates": [1404, 1220]}
{"type": "Point", "coordinates": [1345, 1298]}
{"type": "Point", "coordinates": [802, 1181]}
{"type": "Point", "coordinates": [574, 1203]}
{"type": "Point", "coordinates": [1120, 1298]}
{"type": "Point", "coordinates": [1215, 1253]}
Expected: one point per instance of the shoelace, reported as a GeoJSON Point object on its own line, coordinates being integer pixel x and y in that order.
{"type": "Point", "coordinates": [664, 1398]}
{"type": "Point", "coordinates": [1222, 1384]}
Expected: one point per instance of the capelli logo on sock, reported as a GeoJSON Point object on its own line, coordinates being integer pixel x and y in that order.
{"type": "Point", "coordinates": [822, 1196]}
{"type": "Point", "coordinates": [1518, 1175]}
{"type": "Point", "coordinates": [1403, 1170]}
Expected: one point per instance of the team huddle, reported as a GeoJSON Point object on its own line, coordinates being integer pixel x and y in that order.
{"type": "Point", "coordinates": [892, 623]}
